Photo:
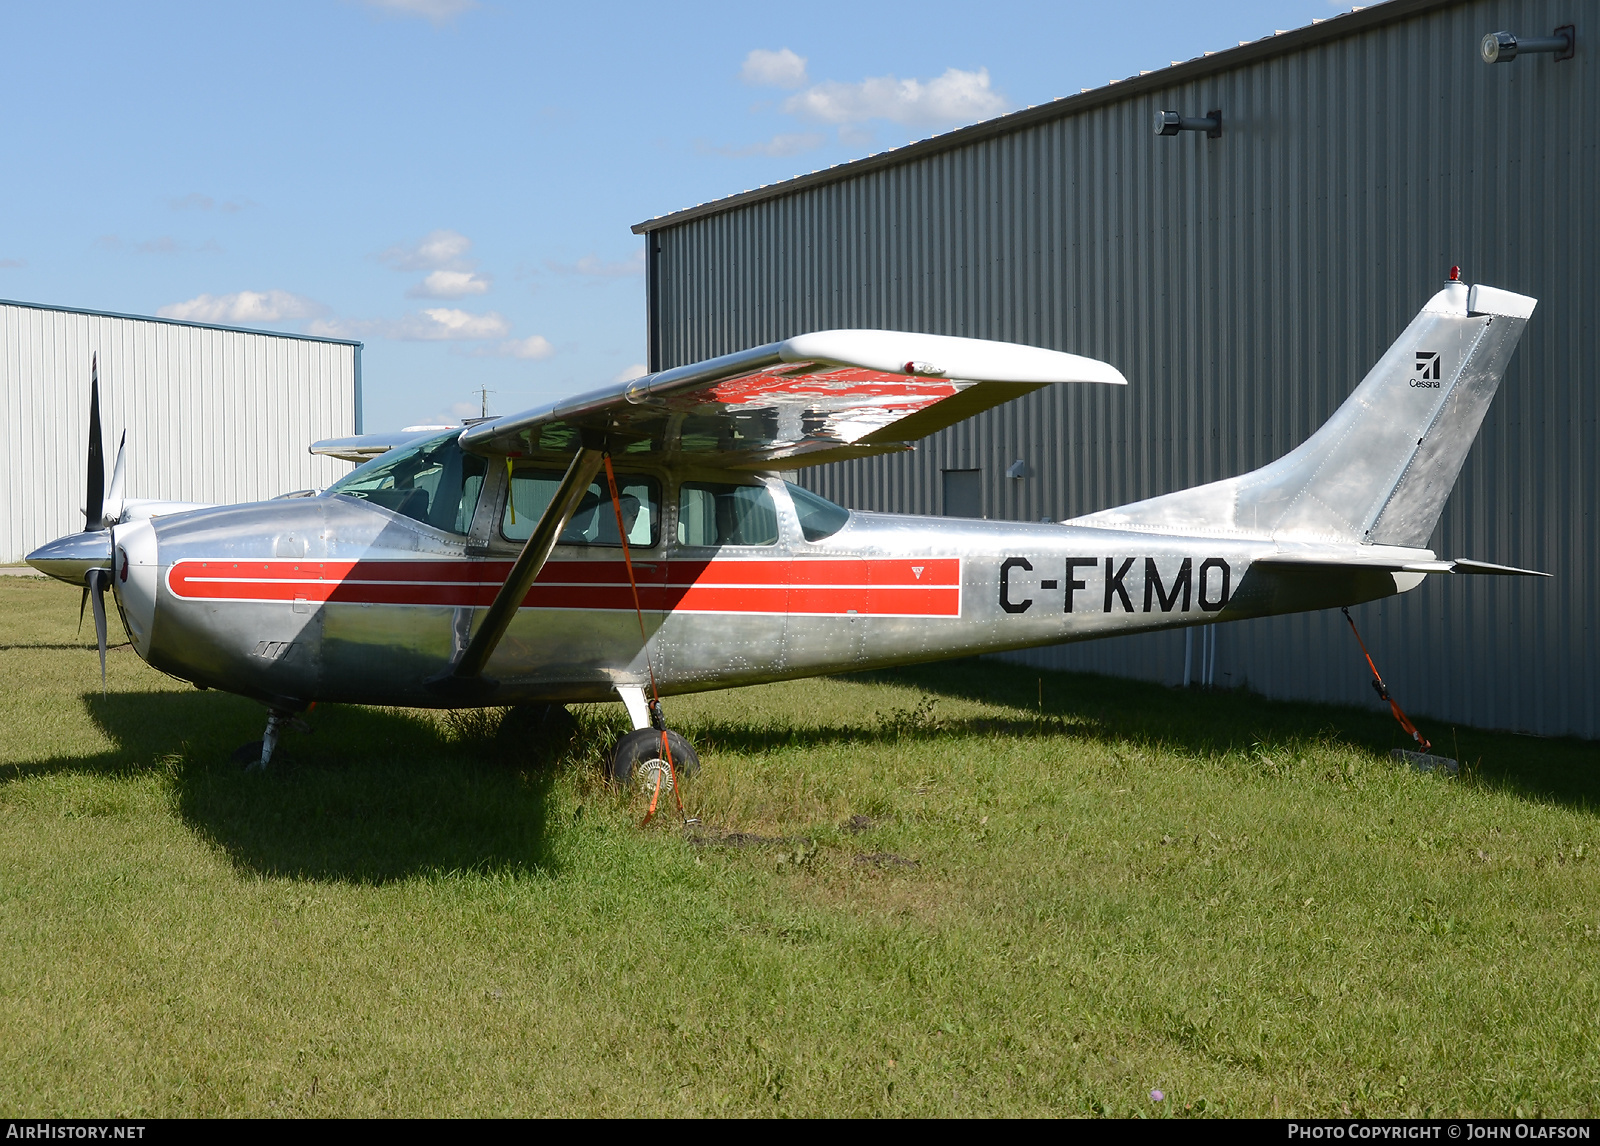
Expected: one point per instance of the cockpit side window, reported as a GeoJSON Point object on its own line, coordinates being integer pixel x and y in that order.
{"type": "Point", "coordinates": [594, 522]}
{"type": "Point", "coordinates": [715, 513]}
{"type": "Point", "coordinates": [434, 482]}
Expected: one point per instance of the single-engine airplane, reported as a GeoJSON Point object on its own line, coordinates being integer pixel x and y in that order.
{"type": "Point", "coordinates": [639, 537]}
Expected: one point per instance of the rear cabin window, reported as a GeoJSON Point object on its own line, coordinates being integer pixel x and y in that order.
{"type": "Point", "coordinates": [594, 522]}
{"type": "Point", "coordinates": [819, 517]}
{"type": "Point", "coordinates": [711, 513]}
{"type": "Point", "coordinates": [434, 482]}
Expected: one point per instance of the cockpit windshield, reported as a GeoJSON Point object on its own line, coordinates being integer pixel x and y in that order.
{"type": "Point", "coordinates": [433, 481]}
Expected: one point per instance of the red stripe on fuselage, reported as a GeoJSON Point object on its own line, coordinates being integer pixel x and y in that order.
{"type": "Point", "coordinates": [929, 587]}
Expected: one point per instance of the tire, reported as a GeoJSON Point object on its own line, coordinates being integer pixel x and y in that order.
{"type": "Point", "coordinates": [642, 747]}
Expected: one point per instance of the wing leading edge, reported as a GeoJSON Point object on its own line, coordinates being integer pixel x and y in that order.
{"type": "Point", "coordinates": [364, 447]}
{"type": "Point", "coordinates": [815, 398]}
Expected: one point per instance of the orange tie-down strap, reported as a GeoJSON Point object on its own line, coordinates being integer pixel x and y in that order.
{"type": "Point", "coordinates": [1383, 690]}
{"type": "Point", "coordinates": [644, 639]}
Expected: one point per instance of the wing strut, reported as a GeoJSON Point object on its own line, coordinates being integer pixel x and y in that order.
{"type": "Point", "coordinates": [465, 680]}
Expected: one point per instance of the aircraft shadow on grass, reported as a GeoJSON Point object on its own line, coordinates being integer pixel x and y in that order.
{"type": "Point", "coordinates": [1564, 770]}
{"type": "Point", "coordinates": [369, 796]}
{"type": "Point", "coordinates": [375, 795]}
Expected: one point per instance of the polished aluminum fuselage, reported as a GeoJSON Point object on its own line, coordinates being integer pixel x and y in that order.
{"type": "Point", "coordinates": [339, 598]}
{"type": "Point", "coordinates": [335, 599]}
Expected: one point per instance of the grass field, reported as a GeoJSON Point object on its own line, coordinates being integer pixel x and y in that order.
{"type": "Point", "coordinates": [923, 892]}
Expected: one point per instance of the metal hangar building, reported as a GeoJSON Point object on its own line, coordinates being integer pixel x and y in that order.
{"type": "Point", "coordinates": [212, 413]}
{"type": "Point", "coordinates": [1244, 280]}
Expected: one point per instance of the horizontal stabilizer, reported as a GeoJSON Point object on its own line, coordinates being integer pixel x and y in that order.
{"type": "Point", "coordinates": [1483, 567]}
{"type": "Point", "coordinates": [1393, 565]}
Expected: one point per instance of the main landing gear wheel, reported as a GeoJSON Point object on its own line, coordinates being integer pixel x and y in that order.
{"type": "Point", "coordinates": [637, 758]}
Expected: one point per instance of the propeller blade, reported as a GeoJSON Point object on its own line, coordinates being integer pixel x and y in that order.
{"type": "Point", "coordinates": [115, 495]}
{"type": "Point", "coordinates": [83, 604]}
{"type": "Point", "coordinates": [94, 497]}
{"type": "Point", "coordinates": [99, 579]}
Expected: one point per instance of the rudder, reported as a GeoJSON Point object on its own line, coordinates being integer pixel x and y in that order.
{"type": "Point", "coordinates": [1412, 508]}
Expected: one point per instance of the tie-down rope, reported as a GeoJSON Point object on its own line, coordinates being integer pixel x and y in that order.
{"type": "Point", "coordinates": [644, 639]}
{"type": "Point", "coordinates": [1383, 690]}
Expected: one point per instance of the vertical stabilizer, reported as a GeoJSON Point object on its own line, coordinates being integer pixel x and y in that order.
{"type": "Point", "coordinates": [1380, 469]}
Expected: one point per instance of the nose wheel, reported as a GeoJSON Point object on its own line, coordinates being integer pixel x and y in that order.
{"type": "Point", "coordinates": [258, 753]}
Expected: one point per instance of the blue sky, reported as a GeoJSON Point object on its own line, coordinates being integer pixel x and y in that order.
{"type": "Point", "coordinates": [453, 182]}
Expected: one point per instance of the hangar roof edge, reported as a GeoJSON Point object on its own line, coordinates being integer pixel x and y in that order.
{"type": "Point", "coordinates": [178, 322]}
{"type": "Point", "coordinates": [1332, 28]}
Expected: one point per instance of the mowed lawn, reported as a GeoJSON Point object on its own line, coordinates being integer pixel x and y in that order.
{"type": "Point", "coordinates": [924, 892]}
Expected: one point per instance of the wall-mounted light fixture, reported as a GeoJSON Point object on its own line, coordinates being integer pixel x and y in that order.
{"type": "Point", "coordinates": [1170, 123]}
{"type": "Point", "coordinates": [1503, 47]}
{"type": "Point", "coordinates": [1017, 470]}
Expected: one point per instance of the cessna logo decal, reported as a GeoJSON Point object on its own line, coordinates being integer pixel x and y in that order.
{"type": "Point", "coordinates": [1124, 580]}
{"type": "Point", "coordinates": [1426, 375]}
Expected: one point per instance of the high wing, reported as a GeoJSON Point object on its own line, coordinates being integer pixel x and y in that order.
{"type": "Point", "coordinates": [815, 398]}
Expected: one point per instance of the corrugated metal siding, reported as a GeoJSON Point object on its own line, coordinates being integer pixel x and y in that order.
{"type": "Point", "coordinates": [1244, 285]}
{"type": "Point", "coordinates": [211, 415]}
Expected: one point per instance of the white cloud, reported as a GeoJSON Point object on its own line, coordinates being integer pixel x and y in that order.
{"type": "Point", "coordinates": [955, 97]}
{"type": "Point", "coordinates": [593, 266]}
{"type": "Point", "coordinates": [451, 284]}
{"type": "Point", "coordinates": [441, 324]}
{"type": "Point", "coordinates": [629, 373]}
{"type": "Point", "coordinates": [437, 12]}
{"type": "Point", "coordinates": [243, 306]}
{"type": "Point", "coordinates": [780, 69]}
{"type": "Point", "coordinates": [443, 254]}
{"type": "Point", "coordinates": [534, 347]}
{"type": "Point", "coordinates": [780, 145]}
{"type": "Point", "coordinates": [438, 251]}
{"type": "Point", "coordinates": [13, 262]}
{"type": "Point", "coordinates": [436, 324]}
